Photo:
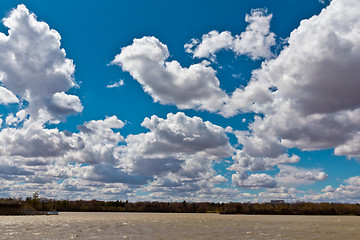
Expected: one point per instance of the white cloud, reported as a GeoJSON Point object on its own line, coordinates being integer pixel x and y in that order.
{"type": "Point", "coordinates": [33, 140]}
{"type": "Point", "coordinates": [19, 117]}
{"type": "Point", "coordinates": [328, 189]}
{"type": "Point", "coordinates": [351, 147]}
{"type": "Point", "coordinates": [168, 82]}
{"type": "Point", "coordinates": [50, 154]}
{"type": "Point", "coordinates": [260, 145]}
{"type": "Point", "coordinates": [260, 151]}
{"type": "Point", "coordinates": [175, 156]}
{"type": "Point", "coordinates": [284, 193]}
{"type": "Point", "coordinates": [254, 42]}
{"type": "Point", "coordinates": [175, 143]}
{"type": "Point", "coordinates": [209, 194]}
{"type": "Point", "coordinates": [11, 119]}
{"type": "Point", "coordinates": [116, 84]}
{"type": "Point", "coordinates": [314, 102]}
{"type": "Point", "coordinates": [210, 43]}
{"type": "Point", "coordinates": [218, 179]}
{"type": "Point", "coordinates": [292, 176]}
{"type": "Point", "coordinates": [7, 96]}
{"type": "Point", "coordinates": [243, 161]}
{"type": "Point", "coordinates": [32, 64]}
{"type": "Point", "coordinates": [327, 47]}
{"type": "Point", "coordinates": [178, 153]}
{"type": "Point", "coordinates": [65, 104]}
{"type": "Point", "coordinates": [253, 181]}
{"type": "Point", "coordinates": [100, 142]}
{"type": "Point", "coordinates": [350, 192]}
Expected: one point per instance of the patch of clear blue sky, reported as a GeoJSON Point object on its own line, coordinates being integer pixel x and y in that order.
{"type": "Point", "coordinates": [94, 31]}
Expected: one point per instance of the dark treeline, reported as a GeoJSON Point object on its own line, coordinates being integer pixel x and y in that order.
{"type": "Point", "coordinates": [297, 208]}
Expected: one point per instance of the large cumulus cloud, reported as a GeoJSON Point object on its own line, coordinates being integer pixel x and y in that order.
{"type": "Point", "coordinates": [307, 96]}
{"type": "Point", "coordinates": [34, 67]}
{"type": "Point", "coordinates": [167, 81]}
{"type": "Point", "coordinates": [180, 145]}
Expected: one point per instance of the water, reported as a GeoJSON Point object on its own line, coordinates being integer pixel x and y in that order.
{"type": "Point", "coordinates": [177, 226]}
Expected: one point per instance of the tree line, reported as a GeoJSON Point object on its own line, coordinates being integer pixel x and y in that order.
{"type": "Point", "coordinates": [296, 208]}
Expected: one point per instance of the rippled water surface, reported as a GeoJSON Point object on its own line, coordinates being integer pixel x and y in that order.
{"type": "Point", "coordinates": [177, 226]}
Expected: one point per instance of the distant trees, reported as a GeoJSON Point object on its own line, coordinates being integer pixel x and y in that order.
{"type": "Point", "coordinates": [297, 208]}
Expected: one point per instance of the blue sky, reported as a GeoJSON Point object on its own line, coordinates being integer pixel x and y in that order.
{"type": "Point", "coordinates": [171, 101]}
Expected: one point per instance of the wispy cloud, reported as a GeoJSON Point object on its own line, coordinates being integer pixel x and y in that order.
{"type": "Point", "coordinates": [116, 84]}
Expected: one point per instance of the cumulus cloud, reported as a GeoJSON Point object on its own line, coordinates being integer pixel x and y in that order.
{"type": "Point", "coordinates": [210, 43]}
{"type": "Point", "coordinates": [307, 96]}
{"type": "Point", "coordinates": [209, 193]}
{"type": "Point", "coordinates": [176, 155]}
{"type": "Point", "coordinates": [14, 120]}
{"type": "Point", "coordinates": [285, 193]}
{"type": "Point", "coordinates": [174, 141]}
{"type": "Point", "coordinates": [99, 141]}
{"type": "Point", "coordinates": [33, 140]}
{"type": "Point", "coordinates": [65, 103]}
{"type": "Point", "coordinates": [253, 181]}
{"type": "Point", "coordinates": [76, 188]}
{"type": "Point", "coordinates": [349, 192]}
{"type": "Point", "coordinates": [259, 151]}
{"type": "Point", "coordinates": [219, 179]}
{"type": "Point", "coordinates": [34, 67]}
{"type": "Point", "coordinates": [179, 133]}
{"type": "Point", "coordinates": [260, 145]}
{"type": "Point", "coordinates": [178, 152]}
{"type": "Point", "coordinates": [244, 161]}
{"type": "Point", "coordinates": [331, 53]}
{"type": "Point", "coordinates": [255, 41]}
{"type": "Point", "coordinates": [51, 154]}
{"type": "Point", "coordinates": [350, 147]}
{"type": "Point", "coordinates": [168, 82]}
{"type": "Point", "coordinates": [292, 176]}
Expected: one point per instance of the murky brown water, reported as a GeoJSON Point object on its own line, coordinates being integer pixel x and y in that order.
{"type": "Point", "coordinates": [178, 226]}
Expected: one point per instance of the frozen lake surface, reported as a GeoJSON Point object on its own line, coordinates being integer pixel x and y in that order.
{"type": "Point", "coordinates": [92, 225]}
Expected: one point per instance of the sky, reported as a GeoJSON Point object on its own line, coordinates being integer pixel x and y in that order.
{"type": "Point", "coordinates": [180, 100]}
